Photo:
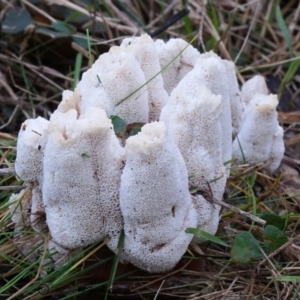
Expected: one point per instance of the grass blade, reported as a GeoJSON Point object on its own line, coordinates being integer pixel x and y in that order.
{"type": "Point", "coordinates": [207, 236]}
{"type": "Point", "coordinates": [283, 28]}
{"type": "Point", "coordinates": [77, 69]}
{"type": "Point", "coordinates": [115, 264]}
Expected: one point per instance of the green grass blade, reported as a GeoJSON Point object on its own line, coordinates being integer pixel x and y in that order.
{"type": "Point", "coordinates": [288, 278]}
{"type": "Point", "coordinates": [115, 264]}
{"type": "Point", "coordinates": [205, 235]}
{"type": "Point", "coordinates": [89, 48]}
{"type": "Point", "coordinates": [78, 62]}
{"type": "Point", "coordinates": [289, 75]}
{"type": "Point", "coordinates": [161, 71]}
{"type": "Point", "coordinates": [19, 276]}
{"type": "Point", "coordinates": [283, 28]}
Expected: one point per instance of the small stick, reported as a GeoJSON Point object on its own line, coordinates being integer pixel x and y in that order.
{"type": "Point", "coordinates": [280, 249]}
{"type": "Point", "coordinates": [7, 171]}
{"type": "Point", "coordinates": [12, 187]}
{"type": "Point", "coordinates": [240, 212]}
{"type": "Point", "coordinates": [159, 289]}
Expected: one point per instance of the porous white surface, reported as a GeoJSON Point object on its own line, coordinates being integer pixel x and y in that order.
{"type": "Point", "coordinates": [277, 149]}
{"type": "Point", "coordinates": [193, 120]}
{"type": "Point", "coordinates": [31, 144]}
{"type": "Point", "coordinates": [92, 93]}
{"type": "Point", "coordinates": [155, 201]}
{"type": "Point", "coordinates": [236, 104]}
{"type": "Point", "coordinates": [211, 73]}
{"type": "Point", "coordinates": [179, 57]}
{"type": "Point", "coordinates": [144, 51]}
{"type": "Point", "coordinates": [208, 215]}
{"type": "Point", "coordinates": [173, 168]}
{"type": "Point", "coordinates": [82, 167]}
{"type": "Point", "coordinates": [70, 100]}
{"type": "Point", "coordinates": [255, 85]}
{"type": "Point", "coordinates": [30, 148]}
{"type": "Point", "coordinates": [124, 83]}
{"type": "Point", "coordinates": [254, 141]}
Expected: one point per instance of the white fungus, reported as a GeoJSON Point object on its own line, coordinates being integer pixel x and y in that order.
{"type": "Point", "coordinates": [155, 201]}
{"type": "Point", "coordinates": [236, 104]}
{"type": "Point", "coordinates": [255, 85]}
{"type": "Point", "coordinates": [253, 143]}
{"type": "Point", "coordinates": [166, 178]}
{"type": "Point", "coordinates": [82, 167]}
{"type": "Point", "coordinates": [277, 149]}
{"type": "Point", "coordinates": [144, 50]}
{"type": "Point", "coordinates": [124, 83]}
{"type": "Point", "coordinates": [30, 148]}
{"type": "Point", "coordinates": [193, 119]}
{"type": "Point", "coordinates": [177, 58]}
{"type": "Point", "coordinates": [31, 144]}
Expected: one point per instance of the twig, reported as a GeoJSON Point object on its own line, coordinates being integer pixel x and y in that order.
{"type": "Point", "coordinates": [37, 276]}
{"type": "Point", "coordinates": [253, 21]}
{"type": "Point", "coordinates": [9, 90]}
{"type": "Point", "coordinates": [11, 117]}
{"type": "Point", "coordinates": [47, 70]}
{"type": "Point", "coordinates": [200, 34]}
{"type": "Point", "coordinates": [159, 289]}
{"type": "Point", "coordinates": [98, 18]}
{"type": "Point", "coordinates": [12, 187]}
{"type": "Point", "coordinates": [7, 136]}
{"type": "Point", "coordinates": [40, 11]}
{"type": "Point", "coordinates": [257, 167]}
{"type": "Point", "coordinates": [229, 288]}
{"type": "Point", "coordinates": [287, 244]}
{"type": "Point", "coordinates": [240, 212]}
{"type": "Point", "coordinates": [7, 171]}
{"type": "Point", "coordinates": [170, 22]}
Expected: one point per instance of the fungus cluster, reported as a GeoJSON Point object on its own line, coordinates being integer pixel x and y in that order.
{"type": "Point", "coordinates": [154, 185]}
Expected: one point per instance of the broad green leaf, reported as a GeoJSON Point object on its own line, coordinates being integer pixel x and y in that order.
{"type": "Point", "coordinates": [63, 27]}
{"type": "Point", "coordinates": [81, 41]}
{"type": "Point", "coordinates": [273, 238]}
{"type": "Point", "coordinates": [135, 131]}
{"type": "Point", "coordinates": [16, 20]}
{"type": "Point", "coordinates": [119, 124]}
{"type": "Point", "coordinates": [274, 220]}
{"type": "Point", "coordinates": [245, 248]}
{"type": "Point", "coordinates": [205, 235]}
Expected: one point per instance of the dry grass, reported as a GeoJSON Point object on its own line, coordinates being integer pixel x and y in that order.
{"type": "Point", "coordinates": [37, 65]}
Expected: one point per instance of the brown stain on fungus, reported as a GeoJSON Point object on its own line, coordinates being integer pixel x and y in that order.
{"type": "Point", "coordinates": [157, 247]}
{"type": "Point", "coordinates": [173, 211]}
